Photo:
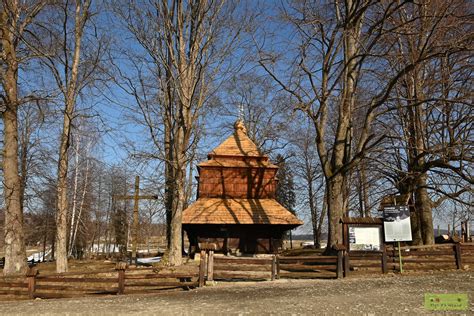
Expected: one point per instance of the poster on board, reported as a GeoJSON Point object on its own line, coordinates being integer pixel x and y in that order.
{"type": "Point", "coordinates": [396, 223]}
{"type": "Point", "coordinates": [364, 238]}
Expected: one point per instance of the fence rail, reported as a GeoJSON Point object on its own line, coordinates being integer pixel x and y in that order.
{"type": "Point", "coordinates": [124, 280]}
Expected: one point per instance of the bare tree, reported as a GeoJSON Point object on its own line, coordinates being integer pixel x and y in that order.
{"type": "Point", "coordinates": [311, 181]}
{"type": "Point", "coordinates": [433, 110]}
{"type": "Point", "coordinates": [339, 45]}
{"type": "Point", "coordinates": [15, 18]}
{"type": "Point", "coordinates": [63, 54]}
{"type": "Point", "coordinates": [187, 43]}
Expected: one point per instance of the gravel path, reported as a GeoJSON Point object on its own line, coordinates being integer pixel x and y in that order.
{"type": "Point", "coordinates": [392, 294]}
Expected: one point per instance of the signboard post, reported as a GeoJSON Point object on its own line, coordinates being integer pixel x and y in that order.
{"type": "Point", "coordinates": [397, 227]}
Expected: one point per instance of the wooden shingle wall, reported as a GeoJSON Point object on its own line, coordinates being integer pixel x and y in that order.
{"type": "Point", "coordinates": [237, 183]}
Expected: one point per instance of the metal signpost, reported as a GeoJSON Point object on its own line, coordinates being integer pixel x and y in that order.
{"type": "Point", "coordinates": [397, 227]}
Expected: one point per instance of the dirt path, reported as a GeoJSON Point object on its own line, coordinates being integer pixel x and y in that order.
{"type": "Point", "coordinates": [376, 295]}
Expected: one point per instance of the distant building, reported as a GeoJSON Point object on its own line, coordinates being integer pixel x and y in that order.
{"type": "Point", "coordinates": [236, 207]}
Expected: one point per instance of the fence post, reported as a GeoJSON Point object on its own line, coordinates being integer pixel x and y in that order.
{"type": "Point", "coordinates": [346, 264]}
{"type": "Point", "coordinates": [210, 265]}
{"type": "Point", "coordinates": [121, 267]}
{"type": "Point", "coordinates": [202, 268]}
{"type": "Point", "coordinates": [274, 267]}
{"type": "Point", "coordinates": [277, 267]}
{"type": "Point", "coordinates": [457, 253]}
{"type": "Point", "coordinates": [384, 260]}
{"type": "Point", "coordinates": [31, 278]}
{"type": "Point", "coordinates": [339, 271]}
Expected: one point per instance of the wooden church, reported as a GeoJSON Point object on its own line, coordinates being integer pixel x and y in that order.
{"type": "Point", "coordinates": [236, 207]}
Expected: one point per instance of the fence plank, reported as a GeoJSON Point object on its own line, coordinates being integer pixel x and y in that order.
{"type": "Point", "coordinates": [240, 275]}
{"type": "Point", "coordinates": [219, 260]}
{"type": "Point", "coordinates": [75, 280]}
{"type": "Point", "coordinates": [242, 267]}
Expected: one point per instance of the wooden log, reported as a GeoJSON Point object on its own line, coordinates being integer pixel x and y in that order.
{"type": "Point", "coordinates": [160, 276]}
{"type": "Point", "coordinates": [310, 258]}
{"type": "Point", "coordinates": [219, 260]}
{"type": "Point", "coordinates": [163, 283]}
{"type": "Point", "coordinates": [365, 265]}
{"type": "Point", "coordinates": [14, 284]}
{"type": "Point", "coordinates": [428, 253]}
{"type": "Point", "coordinates": [78, 274]}
{"type": "Point", "coordinates": [239, 275]}
{"type": "Point", "coordinates": [242, 267]}
{"type": "Point", "coordinates": [63, 294]}
{"type": "Point", "coordinates": [358, 254]}
{"type": "Point", "coordinates": [424, 260]}
{"type": "Point", "coordinates": [75, 288]}
{"type": "Point", "coordinates": [14, 292]}
{"type": "Point", "coordinates": [163, 289]}
{"type": "Point", "coordinates": [377, 259]}
{"type": "Point", "coordinates": [384, 261]}
{"type": "Point", "coordinates": [76, 280]}
{"type": "Point", "coordinates": [202, 268]}
{"type": "Point", "coordinates": [308, 275]}
{"type": "Point", "coordinates": [438, 246]}
{"type": "Point", "coordinates": [303, 267]}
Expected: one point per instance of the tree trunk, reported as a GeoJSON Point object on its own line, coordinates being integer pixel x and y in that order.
{"type": "Point", "coordinates": [335, 208]}
{"type": "Point", "coordinates": [15, 251]}
{"type": "Point", "coordinates": [74, 195]}
{"type": "Point", "coordinates": [322, 215]}
{"type": "Point", "coordinates": [175, 250]}
{"type": "Point", "coordinates": [314, 213]}
{"type": "Point", "coordinates": [81, 15]}
{"type": "Point", "coordinates": [62, 210]}
{"type": "Point", "coordinates": [423, 207]}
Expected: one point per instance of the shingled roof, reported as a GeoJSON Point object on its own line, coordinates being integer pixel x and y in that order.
{"type": "Point", "coordinates": [237, 145]}
{"type": "Point", "coordinates": [238, 211]}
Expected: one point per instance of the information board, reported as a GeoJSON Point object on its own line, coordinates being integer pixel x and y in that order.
{"type": "Point", "coordinates": [396, 223]}
{"type": "Point", "coordinates": [364, 238]}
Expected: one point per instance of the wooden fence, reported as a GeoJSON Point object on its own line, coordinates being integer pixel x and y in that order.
{"type": "Point", "coordinates": [414, 258]}
{"type": "Point", "coordinates": [243, 268]}
{"type": "Point", "coordinates": [123, 280]}
{"type": "Point", "coordinates": [270, 268]}
{"type": "Point", "coordinates": [107, 282]}
{"type": "Point", "coordinates": [309, 267]}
